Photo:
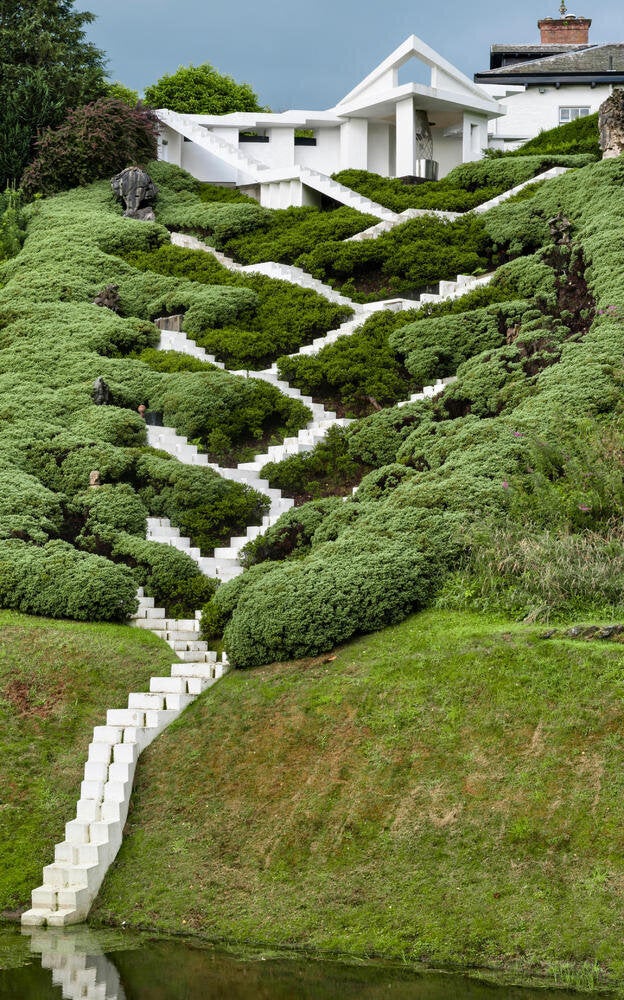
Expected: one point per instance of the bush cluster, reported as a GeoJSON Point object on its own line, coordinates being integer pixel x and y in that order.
{"type": "Point", "coordinates": [287, 233]}
{"type": "Point", "coordinates": [96, 140]}
{"type": "Point", "coordinates": [284, 316]}
{"type": "Point", "coordinates": [524, 438]}
{"type": "Point", "coordinates": [468, 185]}
{"type": "Point", "coordinates": [406, 260]}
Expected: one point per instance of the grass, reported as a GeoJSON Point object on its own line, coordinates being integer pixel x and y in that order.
{"type": "Point", "coordinates": [448, 790]}
{"type": "Point", "coordinates": [56, 681]}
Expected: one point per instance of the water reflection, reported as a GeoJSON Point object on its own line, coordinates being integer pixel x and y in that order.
{"type": "Point", "coordinates": [80, 964]}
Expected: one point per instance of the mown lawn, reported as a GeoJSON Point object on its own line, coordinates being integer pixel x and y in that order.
{"type": "Point", "coordinates": [57, 680]}
{"type": "Point", "coordinates": [449, 790]}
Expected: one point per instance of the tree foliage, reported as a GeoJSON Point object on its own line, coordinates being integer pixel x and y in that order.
{"type": "Point", "coordinates": [48, 66]}
{"type": "Point", "coordinates": [201, 90]}
{"type": "Point", "coordinates": [94, 141]}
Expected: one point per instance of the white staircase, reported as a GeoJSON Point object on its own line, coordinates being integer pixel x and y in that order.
{"type": "Point", "coordinates": [214, 144]}
{"type": "Point", "coordinates": [345, 195]}
{"type": "Point", "coordinates": [77, 963]}
{"type": "Point", "coordinates": [93, 838]}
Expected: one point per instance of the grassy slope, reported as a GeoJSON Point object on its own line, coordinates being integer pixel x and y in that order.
{"type": "Point", "coordinates": [56, 681]}
{"type": "Point", "coordinates": [448, 790]}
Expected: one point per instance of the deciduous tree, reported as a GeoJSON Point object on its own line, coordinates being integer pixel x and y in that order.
{"type": "Point", "coordinates": [201, 90]}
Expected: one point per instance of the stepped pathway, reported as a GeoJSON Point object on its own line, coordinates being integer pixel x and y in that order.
{"type": "Point", "coordinates": [271, 269]}
{"type": "Point", "coordinates": [345, 195]}
{"type": "Point", "coordinates": [224, 563]}
{"type": "Point", "coordinates": [415, 213]}
{"type": "Point", "coordinates": [78, 964]}
{"type": "Point", "coordinates": [214, 144]}
{"type": "Point", "coordinates": [93, 837]}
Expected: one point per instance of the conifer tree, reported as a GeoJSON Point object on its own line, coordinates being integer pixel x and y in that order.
{"type": "Point", "coordinates": [46, 67]}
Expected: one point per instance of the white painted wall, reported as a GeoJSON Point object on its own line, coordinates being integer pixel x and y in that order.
{"type": "Point", "coordinates": [532, 112]}
{"type": "Point", "coordinates": [354, 144]}
{"type": "Point", "coordinates": [206, 167]}
{"type": "Point", "coordinates": [447, 151]}
{"type": "Point", "coordinates": [379, 140]}
{"type": "Point", "coordinates": [474, 138]}
{"type": "Point", "coordinates": [325, 156]}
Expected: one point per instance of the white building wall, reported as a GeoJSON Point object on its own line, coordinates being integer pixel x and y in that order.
{"type": "Point", "coordinates": [537, 109]}
{"type": "Point", "coordinates": [379, 148]}
{"type": "Point", "coordinates": [279, 151]}
{"type": "Point", "coordinates": [325, 156]}
{"type": "Point", "coordinates": [354, 144]}
{"type": "Point", "coordinates": [474, 137]}
{"type": "Point", "coordinates": [447, 151]}
{"type": "Point", "coordinates": [206, 167]}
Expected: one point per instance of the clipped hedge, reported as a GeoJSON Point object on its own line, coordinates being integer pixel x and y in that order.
{"type": "Point", "coordinates": [408, 259]}
{"type": "Point", "coordinates": [283, 318]}
{"type": "Point", "coordinates": [57, 581]}
{"type": "Point", "coordinates": [287, 233]}
{"type": "Point", "coordinates": [468, 185]}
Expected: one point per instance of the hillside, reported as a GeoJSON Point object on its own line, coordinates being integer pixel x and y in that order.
{"type": "Point", "coordinates": [447, 790]}
{"type": "Point", "coordinates": [57, 680]}
{"type": "Point", "coordinates": [444, 789]}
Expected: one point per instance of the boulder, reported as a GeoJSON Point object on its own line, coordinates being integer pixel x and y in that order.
{"type": "Point", "coordinates": [136, 189]}
{"type": "Point", "coordinates": [611, 125]}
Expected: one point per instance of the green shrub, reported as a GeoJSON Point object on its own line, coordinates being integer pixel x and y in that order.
{"type": "Point", "coordinates": [283, 318]}
{"type": "Point", "coordinates": [407, 259]}
{"type": "Point", "coordinates": [171, 577]}
{"type": "Point", "coordinates": [305, 607]}
{"type": "Point", "coordinates": [326, 469]}
{"type": "Point", "coordinates": [580, 136]}
{"type": "Point", "coordinates": [357, 373]}
{"type": "Point", "coordinates": [292, 535]}
{"type": "Point", "coordinates": [110, 506]}
{"type": "Point", "coordinates": [287, 233]}
{"type": "Point", "coordinates": [201, 503]}
{"type": "Point", "coordinates": [57, 581]}
{"type": "Point", "coordinates": [465, 186]}
{"type": "Point", "coordinates": [95, 140]}
{"type": "Point", "coordinates": [184, 210]}
{"type": "Point", "coordinates": [435, 348]}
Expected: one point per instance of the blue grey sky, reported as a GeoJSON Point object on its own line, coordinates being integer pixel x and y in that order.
{"type": "Point", "coordinates": [309, 54]}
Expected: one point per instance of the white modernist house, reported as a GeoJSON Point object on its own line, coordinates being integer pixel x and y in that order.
{"type": "Point", "coordinates": [386, 125]}
{"type": "Point", "coordinates": [543, 85]}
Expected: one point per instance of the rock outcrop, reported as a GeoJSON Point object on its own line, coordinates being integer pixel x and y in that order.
{"type": "Point", "coordinates": [611, 125]}
{"type": "Point", "coordinates": [136, 189]}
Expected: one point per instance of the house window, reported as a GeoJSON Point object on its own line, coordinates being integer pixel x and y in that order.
{"type": "Point", "coordinates": [571, 114]}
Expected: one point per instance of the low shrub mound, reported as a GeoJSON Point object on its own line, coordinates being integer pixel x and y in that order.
{"type": "Point", "coordinates": [55, 343]}
{"type": "Point", "coordinates": [471, 184]}
{"type": "Point", "coordinates": [406, 260]}
{"type": "Point", "coordinates": [287, 233]}
{"type": "Point", "coordinates": [284, 316]}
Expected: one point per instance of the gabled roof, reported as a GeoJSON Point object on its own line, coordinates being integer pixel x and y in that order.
{"type": "Point", "coordinates": [385, 76]}
{"type": "Point", "coordinates": [584, 61]}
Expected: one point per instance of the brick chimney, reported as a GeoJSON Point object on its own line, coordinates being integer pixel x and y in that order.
{"type": "Point", "coordinates": [568, 30]}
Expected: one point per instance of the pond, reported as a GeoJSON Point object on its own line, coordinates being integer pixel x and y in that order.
{"type": "Point", "coordinates": [80, 963]}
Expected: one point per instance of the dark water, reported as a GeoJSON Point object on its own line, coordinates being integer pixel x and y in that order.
{"type": "Point", "coordinates": [79, 963]}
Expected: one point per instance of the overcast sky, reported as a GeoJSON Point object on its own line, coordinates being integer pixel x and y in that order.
{"type": "Point", "coordinates": [308, 55]}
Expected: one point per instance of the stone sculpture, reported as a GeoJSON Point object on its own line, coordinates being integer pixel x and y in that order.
{"type": "Point", "coordinates": [108, 298]}
{"type": "Point", "coordinates": [94, 479]}
{"type": "Point", "coordinates": [611, 125]}
{"type": "Point", "coordinates": [101, 392]}
{"type": "Point", "coordinates": [136, 189]}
